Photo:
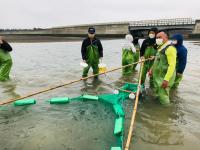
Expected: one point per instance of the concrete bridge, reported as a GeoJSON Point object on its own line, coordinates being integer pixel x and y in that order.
{"type": "Point", "coordinates": [105, 30]}
{"type": "Point", "coordinates": [180, 25]}
{"type": "Point", "coordinates": [196, 31]}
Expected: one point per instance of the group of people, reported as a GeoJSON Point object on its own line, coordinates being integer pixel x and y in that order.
{"type": "Point", "coordinates": [164, 61]}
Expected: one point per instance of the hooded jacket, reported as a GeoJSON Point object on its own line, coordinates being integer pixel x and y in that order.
{"type": "Point", "coordinates": [148, 42]}
{"type": "Point", "coordinates": [181, 53]}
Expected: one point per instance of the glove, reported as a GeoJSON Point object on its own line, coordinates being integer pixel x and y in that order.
{"type": "Point", "coordinates": [142, 58]}
{"type": "Point", "coordinates": [165, 84]}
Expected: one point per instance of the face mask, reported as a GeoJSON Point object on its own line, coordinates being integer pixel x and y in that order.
{"type": "Point", "coordinates": [174, 42]}
{"type": "Point", "coordinates": [151, 36]}
{"type": "Point", "coordinates": [159, 41]}
{"type": "Point", "coordinates": [91, 36]}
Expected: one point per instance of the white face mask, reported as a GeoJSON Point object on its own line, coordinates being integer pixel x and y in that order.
{"type": "Point", "coordinates": [91, 36]}
{"type": "Point", "coordinates": [174, 42]}
{"type": "Point", "coordinates": [159, 41]}
{"type": "Point", "coordinates": [151, 36]}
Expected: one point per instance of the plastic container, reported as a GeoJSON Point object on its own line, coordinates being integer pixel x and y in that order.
{"type": "Point", "coordinates": [59, 100]}
{"type": "Point", "coordinates": [83, 64]}
{"type": "Point", "coordinates": [102, 68]}
{"type": "Point", "coordinates": [25, 102]}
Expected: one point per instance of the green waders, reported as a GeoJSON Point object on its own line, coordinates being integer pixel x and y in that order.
{"type": "Point", "coordinates": [5, 65]}
{"type": "Point", "coordinates": [178, 78]}
{"type": "Point", "coordinates": [127, 58]}
{"type": "Point", "coordinates": [159, 71]}
{"type": "Point", "coordinates": [150, 51]}
{"type": "Point", "coordinates": [177, 81]}
{"type": "Point", "coordinates": [92, 60]}
{"type": "Point", "coordinates": [136, 55]}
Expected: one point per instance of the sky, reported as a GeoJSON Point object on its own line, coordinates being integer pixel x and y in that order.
{"type": "Point", "coordinates": [28, 14]}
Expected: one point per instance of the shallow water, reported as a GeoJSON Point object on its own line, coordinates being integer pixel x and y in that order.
{"type": "Point", "coordinates": [89, 125]}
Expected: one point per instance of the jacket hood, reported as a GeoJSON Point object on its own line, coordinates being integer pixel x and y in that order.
{"type": "Point", "coordinates": [179, 39]}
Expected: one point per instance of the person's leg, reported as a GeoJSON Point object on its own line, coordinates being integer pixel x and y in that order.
{"type": "Point", "coordinates": [163, 95]}
{"type": "Point", "coordinates": [5, 68]}
{"type": "Point", "coordinates": [136, 59]}
{"type": "Point", "coordinates": [144, 73]}
{"type": "Point", "coordinates": [95, 70]}
{"type": "Point", "coordinates": [177, 81]}
{"type": "Point", "coordinates": [126, 70]}
{"type": "Point", "coordinates": [151, 82]}
{"type": "Point", "coordinates": [85, 71]}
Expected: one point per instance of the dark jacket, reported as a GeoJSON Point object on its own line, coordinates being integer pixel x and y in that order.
{"type": "Point", "coordinates": [5, 46]}
{"type": "Point", "coordinates": [87, 42]}
{"type": "Point", "coordinates": [181, 54]}
{"type": "Point", "coordinates": [146, 43]}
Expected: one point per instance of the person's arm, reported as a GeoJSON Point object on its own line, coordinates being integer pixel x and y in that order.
{"type": "Point", "coordinates": [100, 48]}
{"type": "Point", "coordinates": [142, 49]}
{"type": "Point", "coordinates": [182, 60]}
{"type": "Point", "coordinates": [171, 59]}
{"type": "Point", "coordinates": [5, 46]}
{"type": "Point", "coordinates": [83, 50]}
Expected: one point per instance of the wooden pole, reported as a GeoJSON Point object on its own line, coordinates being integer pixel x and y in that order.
{"type": "Point", "coordinates": [66, 84]}
{"type": "Point", "coordinates": [134, 109]}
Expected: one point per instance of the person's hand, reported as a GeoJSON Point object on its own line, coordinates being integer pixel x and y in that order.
{"type": "Point", "coordinates": [165, 84]}
{"type": "Point", "coordinates": [142, 58]}
{"type": "Point", "coordinates": [150, 73]}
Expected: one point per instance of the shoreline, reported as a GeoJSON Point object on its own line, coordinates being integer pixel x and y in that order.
{"type": "Point", "coordinates": [51, 39]}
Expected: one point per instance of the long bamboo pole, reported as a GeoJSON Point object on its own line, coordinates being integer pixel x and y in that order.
{"type": "Point", "coordinates": [134, 109]}
{"type": "Point", "coordinates": [66, 84]}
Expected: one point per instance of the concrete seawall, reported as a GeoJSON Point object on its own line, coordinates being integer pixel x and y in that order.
{"type": "Point", "coordinates": [66, 33]}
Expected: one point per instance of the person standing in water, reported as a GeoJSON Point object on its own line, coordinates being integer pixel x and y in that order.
{"type": "Point", "coordinates": [128, 55]}
{"type": "Point", "coordinates": [92, 52]}
{"type": "Point", "coordinates": [5, 59]}
{"type": "Point", "coordinates": [177, 41]}
{"type": "Point", "coordinates": [148, 50]}
{"type": "Point", "coordinates": [164, 68]}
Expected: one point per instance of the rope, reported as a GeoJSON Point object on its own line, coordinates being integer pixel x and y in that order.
{"type": "Point", "coordinates": [134, 109]}
{"type": "Point", "coordinates": [66, 84]}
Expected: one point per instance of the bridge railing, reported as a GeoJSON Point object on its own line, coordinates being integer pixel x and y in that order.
{"type": "Point", "coordinates": [163, 22]}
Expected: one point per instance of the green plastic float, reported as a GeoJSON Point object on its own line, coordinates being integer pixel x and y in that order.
{"type": "Point", "coordinates": [59, 100]}
{"type": "Point", "coordinates": [116, 148]}
{"type": "Point", "coordinates": [119, 126]}
{"type": "Point", "coordinates": [90, 97]}
{"type": "Point", "coordinates": [25, 102]}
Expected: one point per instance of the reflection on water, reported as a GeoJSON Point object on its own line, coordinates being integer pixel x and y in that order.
{"type": "Point", "coordinates": [89, 125]}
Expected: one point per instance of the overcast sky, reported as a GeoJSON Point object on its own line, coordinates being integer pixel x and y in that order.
{"type": "Point", "coordinates": [52, 13]}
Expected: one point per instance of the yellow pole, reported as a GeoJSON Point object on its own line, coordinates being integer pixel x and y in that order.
{"type": "Point", "coordinates": [66, 84]}
{"type": "Point", "coordinates": [134, 109]}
